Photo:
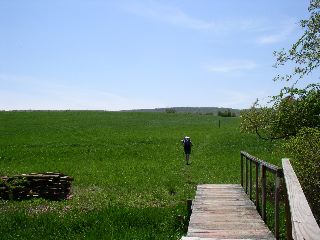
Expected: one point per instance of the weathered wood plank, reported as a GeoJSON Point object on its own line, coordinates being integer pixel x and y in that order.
{"type": "Point", "coordinates": [227, 226]}
{"type": "Point", "coordinates": [226, 218]}
{"type": "Point", "coordinates": [223, 211]}
{"type": "Point", "coordinates": [198, 238]}
{"type": "Point", "coordinates": [304, 226]}
{"type": "Point", "coordinates": [257, 234]}
{"type": "Point", "coordinates": [204, 238]}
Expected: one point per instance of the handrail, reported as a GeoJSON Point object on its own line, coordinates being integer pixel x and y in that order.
{"type": "Point", "coordinates": [270, 166]}
{"type": "Point", "coordinates": [261, 167]}
{"type": "Point", "coordinates": [303, 223]}
{"type": "Point", "coordinates": [300, 220]}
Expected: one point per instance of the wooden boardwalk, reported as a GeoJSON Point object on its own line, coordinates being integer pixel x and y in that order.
{"type": "Point", "coordinates": [224, 211]}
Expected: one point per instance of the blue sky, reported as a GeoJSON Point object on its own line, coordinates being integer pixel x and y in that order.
{"type": "Point", "coordinates": [129, 54]}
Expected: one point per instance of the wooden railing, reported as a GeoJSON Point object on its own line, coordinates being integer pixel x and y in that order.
{"type": "Point", "coordinates": [261, 168]}
{"type": "Point", "coordinates": [298, 213]}
{"type": "Point", "coordinates": [300, 222]}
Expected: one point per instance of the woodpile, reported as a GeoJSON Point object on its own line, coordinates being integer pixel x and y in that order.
{"type": "Point", "coordinates": [49, 185]}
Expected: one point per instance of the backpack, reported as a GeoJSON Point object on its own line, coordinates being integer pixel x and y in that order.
{"type": "Point", "coordinates": [187, 142]}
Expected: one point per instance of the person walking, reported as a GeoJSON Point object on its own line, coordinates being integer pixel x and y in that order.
{"type": "Point", "coordinates": [187, 144]}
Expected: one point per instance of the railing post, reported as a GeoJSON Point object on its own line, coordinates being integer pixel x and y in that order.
{"type": "Point", "coordinates": [288, 215]}
{"type": "Point", "coordinates": [246, 175]}
{"type": "Point", "coordinates": [189, 207]}
{"type": "Point", "coordinates": [241, 169]}
{"type": "Point", "coordinates": [250, 186]}
{"type": "Point", "coordinates": [257, 187]}
{"type": "Point", "coordinates": [276, 199]}
{"type": "Point", "coordinates": [264, 196]}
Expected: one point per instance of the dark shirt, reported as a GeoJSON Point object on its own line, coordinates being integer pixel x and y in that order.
{"type": "Point", "coordinates": [187, 146]}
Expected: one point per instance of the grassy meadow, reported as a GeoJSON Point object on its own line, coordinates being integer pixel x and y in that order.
{"type": "Point", "coordinates": [130, 178]}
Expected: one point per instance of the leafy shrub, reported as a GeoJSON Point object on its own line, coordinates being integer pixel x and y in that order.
{"type": "Point", "coordinates": [292, 110]}
{"type": "Point", "coordinates": [226, 113]}
{"type": "Point", "coordinates": [170, 110]}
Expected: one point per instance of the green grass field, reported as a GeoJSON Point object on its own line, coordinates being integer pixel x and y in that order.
{"type": "Point", "coordinates": [130, 178]}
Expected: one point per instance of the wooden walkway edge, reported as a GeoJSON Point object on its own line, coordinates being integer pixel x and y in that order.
{"type": "Point", "coordinates": [224, 211]}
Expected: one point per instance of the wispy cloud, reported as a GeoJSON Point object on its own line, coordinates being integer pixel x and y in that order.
{"type": "Point", "coordinates": [26, 92]}
{"type": "Point", "coordinates": [231, 66]}
{"type": "Point", "coordinates": [279, 34]}
{"type": "Point", "coordinates": [174, 15]}
{"type": "Point", "coordinates": [166, 13]}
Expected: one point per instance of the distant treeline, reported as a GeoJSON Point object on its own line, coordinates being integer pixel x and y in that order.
{"type": "Point", "coordinates": [216, 111]}
{"type": "Point", "coordinates": [227, 113]}
{"type": "Point", "coordinates": [223, 112]}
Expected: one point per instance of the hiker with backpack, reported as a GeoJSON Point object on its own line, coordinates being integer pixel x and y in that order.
{"type": "Point", "coordinates": [187, 144]}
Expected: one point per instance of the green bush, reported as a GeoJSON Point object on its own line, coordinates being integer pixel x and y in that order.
{"type": "Point", "coordinates": [304, 149]}
{"type": "Point", "coordinates": [170, 110]}
{"type": "Point", "coordinates": [226, 113]}
{"type": "Point", "coordinates": [291, 111]}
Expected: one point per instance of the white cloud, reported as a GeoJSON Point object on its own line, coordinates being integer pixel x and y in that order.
{"type": "Point", "coordinates": [167, 14]}
{"type": "Point", "coordinates": [231, 66]}
{"type": "Point", "coordinates": [175, 16]}
{"type": "Point", "coordinates": [31, 93]}
{"type": "Point", "coordinates": [279, 34]}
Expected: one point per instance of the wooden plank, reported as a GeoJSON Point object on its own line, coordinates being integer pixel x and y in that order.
{"type": "Point", "coordinates": [223, 211]}
{"type": "Point", "coordinates": [217, 192]}
{"type": "Point", "coordinates": [228, 227]}
{"type": "Point", "coordinates": [221, 215]}
{"type": "Point", "coordinates": [220, 186]}
{"type": "Point", "coordinates": [304, 225]}
{"type": "Point", "coordinates": [230, 207]}
{"type": "Point", "coordinates": [197, 238]}
{"type": "Point", "coordinates": [221, 196]}
{"type": "Point", "coordinates": [204, 238]}
{"type": "Point", "coordinates": [257, 234]}
{"type": "Point", "coordinates": [231, 224]}
{"type": "Point", "coordinates": [228, 220]}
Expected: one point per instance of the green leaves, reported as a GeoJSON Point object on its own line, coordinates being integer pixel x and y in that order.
{"type": "Point", "coordinates": [291, 110]}
{"type": "Point", "coordinates": [305, 53]}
